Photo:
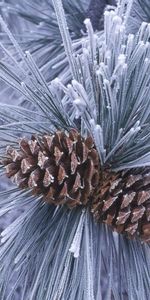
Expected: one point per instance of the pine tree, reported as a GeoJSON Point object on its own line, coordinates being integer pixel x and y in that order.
{"type": "Point", "coordinates": [98, 113]}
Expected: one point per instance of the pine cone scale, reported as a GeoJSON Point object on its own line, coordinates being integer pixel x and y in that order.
{"type": "Point", "coordinates": [28, 164]}
{"type": "Point", "coordinates": [11, 169]}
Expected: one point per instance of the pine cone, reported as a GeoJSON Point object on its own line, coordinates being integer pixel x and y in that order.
{"type": "Point", "coordinates": [122, 200]}
{"type": "Point", "coordinates": [63, 168]}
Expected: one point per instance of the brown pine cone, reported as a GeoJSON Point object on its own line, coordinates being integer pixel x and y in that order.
{"type": "Point", "coordinates": [122, 200]}
{"type": "Point", "coordinates": [64, 168]}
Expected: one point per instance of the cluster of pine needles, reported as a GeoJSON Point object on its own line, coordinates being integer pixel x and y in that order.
{"type": "Point", "coordinates": [75, 150]}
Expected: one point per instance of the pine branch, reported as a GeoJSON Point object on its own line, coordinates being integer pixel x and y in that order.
{"type": "Point", "coordinates": [54, 251]}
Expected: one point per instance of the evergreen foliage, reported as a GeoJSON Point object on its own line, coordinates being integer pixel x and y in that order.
{"type": "Point", "coordinates": [140, 13]}
{"type": "Point", "coordinates": [54, 252]}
